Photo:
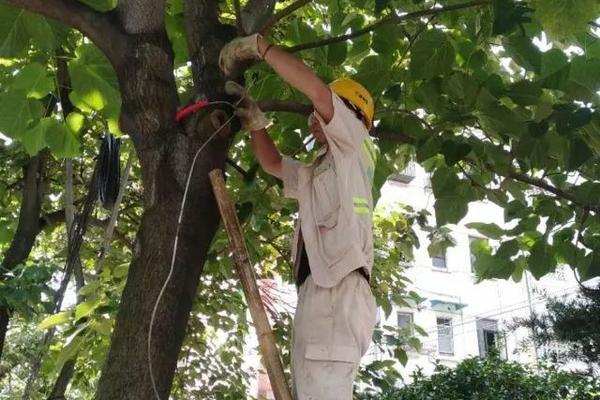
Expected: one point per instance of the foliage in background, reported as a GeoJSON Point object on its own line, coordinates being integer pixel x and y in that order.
{"type": "Point", "coordinates": [569, 329]}
{"type": "Point", "coordinates": [493, 378]}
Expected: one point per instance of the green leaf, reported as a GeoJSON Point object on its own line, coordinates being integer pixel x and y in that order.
{"type": "Point", "coordinates": [337, 53]}
{"type": "Point", "coordinates": [450, 209]}
{"type": "Point", "coordinates": [103, 327]}
{"type": "Point", "coordinates": [586, 72]}
{"type": "Point", "coordinates": [444, 182]}
{"type": "Point", "coordinates": [61, 140]}
{"type": "Point", "coordinates": [555, 70]}
{"type": "Point", "coordinates": [86, 308]}
{"type": "Point", "coordinates": [401, 356]}
{"type": "Point", "coordinates": [492, 231]}
{"type": "Point", "coordinates": [94, 82]}
{"type": "Point", "coordinates": [525, 93]}
{"type": "Point", "coordinates": [38, 28]}
{"type": "Point", "coordinates": [489, 267]}
{"type": "Point", "coordinates": [508, 15]}
{"type": "Point", "coordinates": [90, 288]}
{"type": "Point", "coordinates": [17, 111]}
{"type": "Point", "coordinates": [34, 80]}
{"type": "Point", "coordinates": [75, 122]}
{"type": "Point", "coordinates": [53, 320]}
{"type": "Point", "coordinates": [564, 18]}
{"type": "Point", "coordinates": [455, 151]}
{"type": "Point", "coordinates": [524, 52]}
{"type": "Point", "coordinates": [432, 55]}
{"type": "Point", "coordinates": [34, 139]}
{"type": "Point", "coordinates": [541, 259]}
{"type": "Point", "coordinates": [13, 36]}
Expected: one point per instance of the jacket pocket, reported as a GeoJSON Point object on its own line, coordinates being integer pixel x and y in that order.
{"type": "Point", "coordinates": [326, 204]}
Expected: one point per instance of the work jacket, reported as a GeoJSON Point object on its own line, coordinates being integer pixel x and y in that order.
{"type": "Point", "coordinates": [335, 200]}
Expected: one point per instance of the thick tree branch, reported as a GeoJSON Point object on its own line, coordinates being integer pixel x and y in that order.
{"type": "Point", "coordinates": [306, 109]}
{"type": "Point", "coordinates": [388, 20]}
{"type": "Point", "coordinates": [542, 184]}
{"type": "Point", "coordinates": [142, 16]}
{"type": "Point", "coordinates": [101, 28]}
{"type": "Point", "coordinates": [275, 18]}
{"type": "Point", "coordinates": [285, 106]}
{"type": "Point", "coordinates": [255, 13]}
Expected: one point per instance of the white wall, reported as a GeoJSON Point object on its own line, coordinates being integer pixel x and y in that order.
{"type": "Point", "coordinates": [498, 300]}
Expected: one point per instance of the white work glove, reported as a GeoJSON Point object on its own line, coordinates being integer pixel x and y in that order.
{"type": "Point", "coordinates": [239, 51]}
{"type": "Point", "coordinates": [252, 118]}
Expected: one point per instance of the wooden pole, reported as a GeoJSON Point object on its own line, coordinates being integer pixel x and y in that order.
{"type": "Point", "coordinates": [244, 269]}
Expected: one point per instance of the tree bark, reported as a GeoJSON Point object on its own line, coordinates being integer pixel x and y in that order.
{"type": "Point", "coordinates": [165, 151]}
{"type": "Point", "coordinates": [27, 227]}
{"type": "Point", "coordinates": [62, 382]}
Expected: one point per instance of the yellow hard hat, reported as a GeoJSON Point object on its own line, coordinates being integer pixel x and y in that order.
{"type": "Point", "coordinates": [356, 94]}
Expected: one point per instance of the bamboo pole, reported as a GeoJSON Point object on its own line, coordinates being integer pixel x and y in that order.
{"type": "Point", "coordinates": [244, 269]}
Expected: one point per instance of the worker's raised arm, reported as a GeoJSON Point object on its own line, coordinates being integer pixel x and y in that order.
{"type": "Point", "coordinates": [288, 67]}
{"type": "Point", "coordinates": [255, 122]}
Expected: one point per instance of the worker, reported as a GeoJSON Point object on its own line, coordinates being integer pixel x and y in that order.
{"type": "Point", "coordinates": [333, 247]}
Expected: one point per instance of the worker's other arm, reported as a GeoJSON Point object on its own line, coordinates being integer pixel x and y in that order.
{"type": "Point", "coordinates": [297, 74]}
{"type": "Point", "coordinates": [266, 152]}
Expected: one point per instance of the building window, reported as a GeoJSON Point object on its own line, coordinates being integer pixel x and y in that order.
{"type": "Point", "coordinates": [445, 336]}
{"type": "Point", "coordinates": [488, 336]}
{"type": "Point", "coordinates": [439, 260]}
{"type": "Point", "coordinates": [405, 321]}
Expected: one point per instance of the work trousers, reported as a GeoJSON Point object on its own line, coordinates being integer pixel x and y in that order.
{"type": "Point", "coordinates": [332, 331]}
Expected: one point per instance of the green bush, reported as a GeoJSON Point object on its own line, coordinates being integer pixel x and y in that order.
{"type": "Point", "coordinates": [493, 379]}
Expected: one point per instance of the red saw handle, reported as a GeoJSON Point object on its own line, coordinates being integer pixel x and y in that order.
{"type": "Point", "coordinates": [192, 108]}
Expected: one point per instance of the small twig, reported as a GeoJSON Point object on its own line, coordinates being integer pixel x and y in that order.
{"type": "Point", "coordinates": [236, 167]}
{"type": "Point", "coordinates": [389, 19]}
{"type": "Point", "coordinates": [282, 14]}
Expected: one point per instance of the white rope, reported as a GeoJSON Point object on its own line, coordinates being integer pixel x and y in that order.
{"type": "Point", "coordinates": [173, 257]}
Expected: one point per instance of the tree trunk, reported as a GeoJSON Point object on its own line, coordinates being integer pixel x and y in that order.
{"type": "Point", "coordinates": [60, 386]}
{"type": "Point", "coordinates": [165, 152]}
{"type": "Point", "coordinates": [27, 227]}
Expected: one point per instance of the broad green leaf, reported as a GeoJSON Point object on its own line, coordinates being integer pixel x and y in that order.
{"type": "Point", "coordinates": [586, 72]}
{"type": "Point", "coordinates": [524, 52]}
{"type": "Point", "coordinates": [38, 29]}
{"type": "Point", "coordinates": [432, 55]}
{"type": "Point", "coordinates": [62, 142]}
{"type": "Point", "coordinates": [94, 82]}
{"type": "Point", "coordinates": [90, 288]}
{"type": "Point", "coordinates": [75, 122]}
{"type": "Point", "coordinates": [450, 209]}
{"type": "Point", "coordinates": [541, 259]}
{"type": "Point", "coordinates": [103, 327]}
{"type": "Point", "coordinates": [336, 53]}
{"type": "Point", "coordinates": [53, 320]}
{"type": "Point", "coordinates": [489, 267]}
{"type": "Point", "coordinates": [455, 151]}
{"type": "Point", "coordinates": [34, 80]}
{"type": "Point", "coordinates": [17, 111]}
{"type": "Point", "coordinates": [564, 18]}
{"type": "Point", "coordinates": [492, 231]}
{"type": "Point", "coordinates": [525, 93]}
{"type": "Point", "coordinates": [508, 15]}
{"type": "Point", "coordinates": [86, 308]}
{"type": "Point", "coordinates": [34, 139]}
{"type": "Point", "coordinates": [13, 36]}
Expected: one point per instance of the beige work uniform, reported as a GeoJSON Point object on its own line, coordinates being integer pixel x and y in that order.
{"type": "Point", "coordinates": [336, 311]}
